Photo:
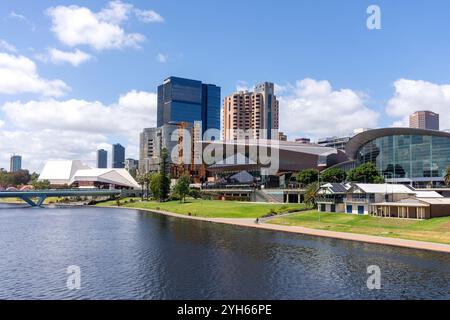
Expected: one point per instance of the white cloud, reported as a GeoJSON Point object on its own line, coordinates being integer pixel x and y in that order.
{"type": "Point", "coordinates": [22, 18]}
{"type": "Point", "coordinates": [74, 129]}
{"type": "Point", "coordinates": [74, 58]}
{"type": "Point", "coordinates": [148, 16]}
{"type": "Point", "coordinates": [4, 45]}
{"type": "Point", "coordinates": [18, 74]}
{"type": "Point", "coordinates": [38, 146]}
{"type": "Point", "coordinates": [75, 25]}
{"type": "Point", "coordinates": [416, 95]}
{"type": "Point", "coordinates": [242, 85]}
{"type": "Point", "coordinates": [116, 12]}
{"type": "Point", "coordinates": [163, 58]}
{"type": "Point", "coordinates": [314, 109]}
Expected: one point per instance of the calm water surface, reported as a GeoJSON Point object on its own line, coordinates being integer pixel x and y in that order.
{"type": "Point", "coordinates": [128, 254]}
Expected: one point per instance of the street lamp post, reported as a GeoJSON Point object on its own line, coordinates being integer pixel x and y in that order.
{"type": "Point", "coordinates": [318, 188]}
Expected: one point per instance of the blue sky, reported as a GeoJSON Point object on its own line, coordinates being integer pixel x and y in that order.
{"type": "Point", "coordinates": [333, 73]}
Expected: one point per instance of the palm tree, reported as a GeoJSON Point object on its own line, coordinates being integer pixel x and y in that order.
{"type": "Point", "coordinates": [311, 194]}
{"type": "Point", "coordinates": [141, 181]}
{"type": "Point", "coordinates": [447, 176]}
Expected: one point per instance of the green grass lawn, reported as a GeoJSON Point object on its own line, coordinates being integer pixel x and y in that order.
{"type": "Point", "coordinates": [211, 208]}
{"type": "Point", "coordinates": [433, 230]}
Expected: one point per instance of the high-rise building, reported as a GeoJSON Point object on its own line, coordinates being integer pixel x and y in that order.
{"type": "Point", "coordinates": [185, 100]}
{"type": "Point", "coordinates": [251, 114]}
{"type": "Point", "coordinates": [303, 140]}
{"type": "Point", "coordinates": [118, 156]}
{"type": "Point", "coordinates": [334, 142]}
{"type": "Point", "coordinates": [424, 120]}
{"type": "Point", "coordinates": [102, 159]}
{"type": "Point", "coordinates": [151, 142]}
{"type": "Point", "coordinates": [282, 136]}
{"type": "Point", "coordinates": [183, 143]}
{"type": "Point", "coordinates": [15, 163]}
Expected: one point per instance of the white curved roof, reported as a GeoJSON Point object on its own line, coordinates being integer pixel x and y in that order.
{"type": "Point", "coordinates": [112, 176]}
{"type": "Point", "coordinates": [60, 172]}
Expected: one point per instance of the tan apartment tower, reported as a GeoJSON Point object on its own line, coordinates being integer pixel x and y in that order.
{"type": "Point", "coordinates": [424, 120]}
{"type": "Point", "coordinates": [252, 115]}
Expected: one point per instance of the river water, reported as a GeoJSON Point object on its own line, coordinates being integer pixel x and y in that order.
{"type": "Point", "coordinates": [130, 254]}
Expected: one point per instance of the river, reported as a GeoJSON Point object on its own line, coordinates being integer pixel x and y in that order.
{"type": "Point", "coordinates": [130, 254]}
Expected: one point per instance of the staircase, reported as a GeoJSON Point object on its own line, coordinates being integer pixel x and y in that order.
{"type": "Point", "coordinates": [263, 196]}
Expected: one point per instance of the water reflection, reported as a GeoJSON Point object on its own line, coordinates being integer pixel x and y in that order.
{"type": "Point", "coordinates": [127, 254]}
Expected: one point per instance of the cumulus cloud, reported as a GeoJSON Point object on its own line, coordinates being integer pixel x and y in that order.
{"type": "Point", "coordinates": [38, 146]}
{"type": "Point", "coordinates": [18, 74]}
{"type": "Point", "coordinates": [4, 45]}
{"type": "Point", "coordinates": [417, 95]}
{"type": "Point", "coordinates": [75, 58]}
{"type": "Point", "coordinates": [313, 108]}
{"type": "Point", "coordinates": [75, 25]}
{"type": "Point", "coordinates": [74, 129]}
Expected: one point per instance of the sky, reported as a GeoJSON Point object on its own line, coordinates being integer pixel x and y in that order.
{"type": "Point", "coordinates": [76, 76]}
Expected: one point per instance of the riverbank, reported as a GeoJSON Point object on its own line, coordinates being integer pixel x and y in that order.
{"type": "Point", "coordinates": [250, 222]}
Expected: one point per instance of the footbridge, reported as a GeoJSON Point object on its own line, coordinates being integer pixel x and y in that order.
{"type": "Point", "coordinates": [37, 197]}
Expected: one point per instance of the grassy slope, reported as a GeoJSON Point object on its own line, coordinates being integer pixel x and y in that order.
{"type": "Point", "coordinates": [433, 230]}
{"type": "Point", "coordinates": [48, 200]}
{"type": "Point", "coordinates": [211, 208]}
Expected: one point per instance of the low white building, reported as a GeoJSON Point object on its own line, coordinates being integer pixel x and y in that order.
{"type": "Point", "coordinates": [77, 174]}
{"type": "Point", "coordinates": [361, 198]}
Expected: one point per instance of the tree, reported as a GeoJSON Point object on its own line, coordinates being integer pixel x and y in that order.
{"type": "Point", "coordinates": [307, 176]}
{"type": "Point", "coordinates": [447, 176]}
{"type": "Point", "coordinates": [311, 194]}
{"type": "Point", "coordinates": [141, 181]}
{"type": "Point", "coordinates": [164, 183]}
{"type": "Point", "coordinates": [366, 173]}
{"type": "Point", "coordinates": [41, 185]}
{"type": "Point", "coordinates": [182, 188]}
{"type": "Point", "coordinates": [155, 183]}
{"type": "Point", "coordinates": [148, 180]}
{"type": "Point", "coordinates": [14, 179]}
{"type": "Point", "coordinates": [333, 175]}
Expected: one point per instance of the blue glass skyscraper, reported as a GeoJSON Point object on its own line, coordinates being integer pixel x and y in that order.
{"type": "Point", "coordinates": [102, 159]}
{"type": "Point", "coordinates": [185, 100]}
{"type": "Point", "coordinates": [118, 156]}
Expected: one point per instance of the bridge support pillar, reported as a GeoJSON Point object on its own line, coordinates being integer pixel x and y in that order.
{"type": "Point", "coordinates": [32, 203]}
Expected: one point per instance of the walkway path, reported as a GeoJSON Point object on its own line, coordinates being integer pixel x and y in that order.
{"type": "Point", "coordinates": [307, 231]}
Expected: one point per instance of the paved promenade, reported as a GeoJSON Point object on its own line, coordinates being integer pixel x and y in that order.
{"type": "Point", "coordinates": [313, 232]}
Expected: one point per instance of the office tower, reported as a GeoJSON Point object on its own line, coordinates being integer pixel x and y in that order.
{"type": "Point", "coordinates": [183, 143]}
{"type": "Point", "coordinates": [15, 163]}
{"type": "Point", "coordinates": [303, 140]}
{"type": "Point", "coordinates": [151, 142]}
{"type": "Point", "coordinates": [424, 120]}
{"type": "Point", "coordinates": [282, 136]}
{"type": "Point", "coordinates": [131, 164]}
{"type": "Point", "coordinates": [334, 142]}
{"type": "Point", "coordinates": [185, 100]}
{"type": "Point", "coordinates": [251, 114]}
{"type": "Point", "coordinates": [118, 156]}
{"type": "Point", "coordinates": [102, 159]}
